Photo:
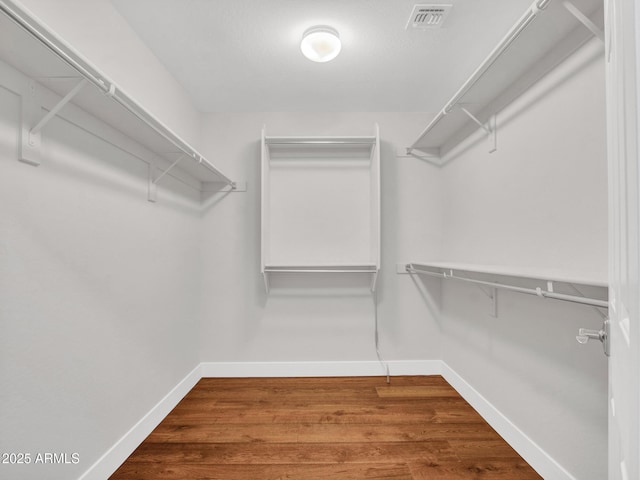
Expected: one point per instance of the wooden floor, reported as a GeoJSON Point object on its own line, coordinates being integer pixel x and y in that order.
{"type": "Point", "coordinates": [324, 428]}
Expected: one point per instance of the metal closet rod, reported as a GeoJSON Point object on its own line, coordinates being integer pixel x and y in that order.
{"type": "Point", "coordinates": [411, 268]}
{"type": "Point", "coordinates": [536, 7]}
{"type": "Point", "coordinates": [72, 58]}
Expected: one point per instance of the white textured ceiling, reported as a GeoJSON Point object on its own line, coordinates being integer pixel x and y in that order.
{"type": "Point", "coordinates": [244, 55]}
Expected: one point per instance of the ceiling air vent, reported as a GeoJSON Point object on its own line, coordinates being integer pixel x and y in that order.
{"type": "Point", "coordinates": [428, 16]}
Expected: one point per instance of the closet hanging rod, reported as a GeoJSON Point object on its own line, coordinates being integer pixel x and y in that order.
{"type": "Point", "coordinates": [536, 7]}
{"type": "Point", "coordinates": [66, 53]}
{"type": "Point", "coordinates": [411, 268]}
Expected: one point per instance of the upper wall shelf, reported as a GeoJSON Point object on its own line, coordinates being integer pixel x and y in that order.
{"type": "Point", "coordinates": [328, 142]}
{"type": "Point", "coordinates": [38, 53]}
{"type": "Point", "coordinates": [547, 33]}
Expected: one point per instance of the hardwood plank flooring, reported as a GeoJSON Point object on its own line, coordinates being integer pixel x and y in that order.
{"type": "Point", "coordinates": [324, 428]}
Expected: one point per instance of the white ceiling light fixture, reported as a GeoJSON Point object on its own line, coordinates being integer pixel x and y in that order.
{"type": "Point", "coordinates": [321, 43]}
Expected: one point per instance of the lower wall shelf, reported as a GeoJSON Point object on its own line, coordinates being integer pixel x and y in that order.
{"type": "Point", "coordinates": [465, 273]}
{"type": "Point", "coordinates": [371, 269]}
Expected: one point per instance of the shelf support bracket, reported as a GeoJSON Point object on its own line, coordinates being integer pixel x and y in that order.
{"type": "Point", "coordinates": [58, 106]}
{"type": "Point", "coordinates": [374, 281]}
{"type": "Point", "coordinates": [493, 296]}
{"type": "Point", "coordinates": [152, 194]}
{"type": "Point", "coordinates": [180, 158]}
{"type": "Point", "coordinates": [31, 107]}
{"type": "Point", "coordinates": [152, 187]}
{"type": "Point", "coordinates": [489, 128]}
{"type": "Point", "coordinates": [582, 18]}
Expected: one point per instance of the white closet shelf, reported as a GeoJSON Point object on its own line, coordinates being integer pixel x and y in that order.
{"type": "Point", "coordinates": [460, 271]}
{"type": "Point", "coordinates": [40, 54]}
{"type": "Point", "coordinates": [546, 34]}
{"type": "Point", "coordinates": [321, 268]}
{"type": "Point", "coordinates": [372, 270]}
{"type": "Point", "coordinates": [545, 274]}
{"type": "Point", "coordinates": [332, 142]}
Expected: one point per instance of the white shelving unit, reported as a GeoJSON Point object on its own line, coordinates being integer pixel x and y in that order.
{"type": "Point", "coordinates": [52, 65]}
{"type": "Point", "coordinates": [547, 33]}
{"type": "Point", "coordinates": [321, 206]}
{"type": "Point", "coordinates": [583, 289]}
{"type": "Point", "coordinates": [511, 278]}
{"type": "Point", "coordinates": [594, 279]}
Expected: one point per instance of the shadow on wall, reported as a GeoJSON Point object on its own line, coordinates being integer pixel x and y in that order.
{"type": "Point", "coordinates": [77, 153]}
{"type": "Point", "coordinates": [430, 290]}
{"type": "Point", "coordinates": [531, 339]}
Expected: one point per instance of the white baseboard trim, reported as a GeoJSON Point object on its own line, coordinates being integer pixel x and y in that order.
{"type": "Point", "coordinates": [535, 456]}
{"type": "Point", "coordinates": [320, 369]}
{"type": "Point", "coordinates": [120, 451]}
{"type": "Point", "coordinates": [544, 464]}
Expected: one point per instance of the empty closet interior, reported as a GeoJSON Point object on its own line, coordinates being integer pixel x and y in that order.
{"type": "Point", "coordinates": [153, 232]}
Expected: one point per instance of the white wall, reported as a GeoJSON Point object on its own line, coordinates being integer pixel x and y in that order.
{"type": "Point", "coordinates": [99, 289]}
{"type": "Point", "coordinates": [98, 293]}
{"type": "Point", "coordinates": [99, 33]}
{"type": "Point", "coordinates": [241, 323]}
{"type": "Point", "coordinates": [539, 201]}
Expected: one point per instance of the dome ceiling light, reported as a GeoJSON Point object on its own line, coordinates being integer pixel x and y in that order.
{"type": "Point", "coordinates": [321, 43]}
